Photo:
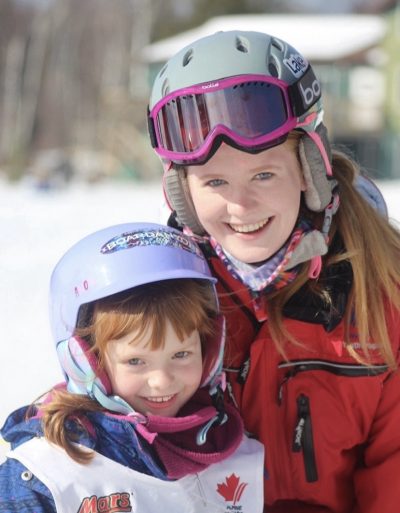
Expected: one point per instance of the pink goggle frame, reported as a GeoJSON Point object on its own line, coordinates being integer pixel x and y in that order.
{"type": "Point", "coordinates": [251, 111]}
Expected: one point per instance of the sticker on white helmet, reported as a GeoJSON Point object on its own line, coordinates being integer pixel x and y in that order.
{"type": "Point", "coordinates": [159, 237]}
{"type": "Point", "coordinates": [296, 64]}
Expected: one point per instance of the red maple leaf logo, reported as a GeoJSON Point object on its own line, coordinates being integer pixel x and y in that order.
{"type": "Point", "coordinates": [232, 489]}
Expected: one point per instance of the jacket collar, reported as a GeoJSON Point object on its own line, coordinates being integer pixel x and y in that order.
{"type": "Point", "coordinates": [305, 305]}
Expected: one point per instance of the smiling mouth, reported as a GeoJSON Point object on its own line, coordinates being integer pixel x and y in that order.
{"type": "Point", "coordinates": [249, 228]}
{"type": "Point", "coordinates": [161, 399]}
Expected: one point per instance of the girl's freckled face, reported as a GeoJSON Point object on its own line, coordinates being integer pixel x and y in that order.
{"type": "Point", "coordinates": [156, 381]}
{"type": "Point", "coordinates": [249, 203]}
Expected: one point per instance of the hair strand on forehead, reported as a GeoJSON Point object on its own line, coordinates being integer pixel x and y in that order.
{"type": "Point", "coordinates": [187, 304]}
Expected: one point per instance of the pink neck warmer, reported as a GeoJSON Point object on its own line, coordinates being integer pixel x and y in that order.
{"type": "Point", "coordinates": [174, 438]}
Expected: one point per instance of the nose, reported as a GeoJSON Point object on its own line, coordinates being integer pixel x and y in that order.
{"type": "Point", "coordinates": [240, 201]}
{"type": "Point", "coordinates": [160, 379]}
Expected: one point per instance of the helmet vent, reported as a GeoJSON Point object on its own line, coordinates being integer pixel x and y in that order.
{"type": "Point", "coordinates": [277, 44]}
{"type": "Point", "coordinates": [242, 44]}
{"type": "Point", "coordinates": [163, 70]}
{"type": "Point", "coordinates": [187, 57]}
{"type": "Point", "coordinates": [273, 70]}
{"type": "Point", "coordinates": [165, 87]}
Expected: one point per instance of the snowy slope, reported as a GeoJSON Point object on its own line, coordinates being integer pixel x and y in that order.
{"type": "Point", "coordinates": [35, 229]}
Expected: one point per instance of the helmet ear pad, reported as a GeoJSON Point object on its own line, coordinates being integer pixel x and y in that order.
{"type": "Point", "coordinates": [81, 366]}
{"type": "Point", "coordinates": [319, 186]}
{"type": "Point", "coordinates": [176, 189]}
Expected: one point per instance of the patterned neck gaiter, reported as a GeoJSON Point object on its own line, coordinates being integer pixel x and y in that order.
{"type": "Point", "coordinates": [271, 274]}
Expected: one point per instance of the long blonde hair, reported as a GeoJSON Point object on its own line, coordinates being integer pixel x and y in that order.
{"type": "Point", "coordinates": [372, 247]}
{"type": "Point", "coordinates": [187, 304]}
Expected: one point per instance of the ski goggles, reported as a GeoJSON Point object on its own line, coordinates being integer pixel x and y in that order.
{"type": "Point", "coordinates": [251, 111]}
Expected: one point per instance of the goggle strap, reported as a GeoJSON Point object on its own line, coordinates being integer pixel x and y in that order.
{"type": "Point", "coordinates": [321, 147]}
{"type": "Point", "coordinates": [151, 129]}
{"type": "Point", "coordinates": [304, 93]}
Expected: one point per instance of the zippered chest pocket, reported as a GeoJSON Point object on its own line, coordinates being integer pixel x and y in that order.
{"type": "Point", "coordinates": [305, 399]}
{"type": "Point", "coordinates": [303, 438]}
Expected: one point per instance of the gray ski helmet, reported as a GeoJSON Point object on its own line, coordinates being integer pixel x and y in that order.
{"type": "Point", "coordinates": [234, 53]}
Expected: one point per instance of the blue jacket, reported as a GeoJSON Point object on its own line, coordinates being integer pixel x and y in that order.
{"type": "Point", "coordinates": [22, 492]}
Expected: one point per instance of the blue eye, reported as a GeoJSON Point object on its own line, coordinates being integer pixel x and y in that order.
{"type": "Point", "coordinates": [135, 361]}
{"type": "Point", "coordinates": [265, 175]}
{"type": "Point", "coordinates": [181, 354]}
{"type": "Point", "coordinates": [216, 182]}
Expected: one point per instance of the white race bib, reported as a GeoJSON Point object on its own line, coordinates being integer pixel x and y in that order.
{"type": "Point", "coordinates": [105, 486]}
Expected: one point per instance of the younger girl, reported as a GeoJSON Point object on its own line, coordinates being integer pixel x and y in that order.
{"type": "Point", "coordinates": [308, 271]}
{"type": "Point", "coordinates": [140, 423]}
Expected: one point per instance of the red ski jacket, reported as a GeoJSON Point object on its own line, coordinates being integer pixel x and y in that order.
{"type": "Point", "coordinates": [330, 426]}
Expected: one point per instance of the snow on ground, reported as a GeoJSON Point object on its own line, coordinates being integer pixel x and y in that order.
{"type": "Point", "coordinates": [36, 228]}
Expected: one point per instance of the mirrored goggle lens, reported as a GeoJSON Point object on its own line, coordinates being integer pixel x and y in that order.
{"type": "Point", "coordinates": [250, 110]}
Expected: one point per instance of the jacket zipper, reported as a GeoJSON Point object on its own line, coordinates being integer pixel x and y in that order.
{"type": "Point", "coordinates": [303, 433]}
{"type": "Point", "coordinates": [303, 438]}
{"type": "Point", "coordinates": [340, 369]}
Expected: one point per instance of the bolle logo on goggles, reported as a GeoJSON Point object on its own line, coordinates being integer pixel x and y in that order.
{"type": "Point", "coordinates": [310, 93]}
{"type": "Point", "coordinates": [210, 85]}
{"type": "Point", "coordinates": [113, 503]}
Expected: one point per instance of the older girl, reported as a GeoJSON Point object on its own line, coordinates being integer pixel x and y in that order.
{"type": "Point", "coordinates": [308, 271]}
